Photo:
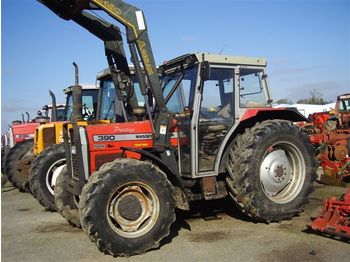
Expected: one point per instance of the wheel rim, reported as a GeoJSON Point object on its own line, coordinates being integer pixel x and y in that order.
{"type": "Point", "coordinates": [133, 209]}
{"type": "Point", "coordinates": [282, 172]}
{"type": "Point", "coordinates": [50, 178]}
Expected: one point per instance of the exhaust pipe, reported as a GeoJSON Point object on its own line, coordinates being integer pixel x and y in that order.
{"type": "Point", "coordinates": [54, 107]}
{"type": "Point", "coordinates": [76, 95]}
{"type": "Point", "coordinates": [76, 74]}
{"type": "Point", "coordinates": [23, 121]}
{"type": "Point", "coordinates": [28, 117]}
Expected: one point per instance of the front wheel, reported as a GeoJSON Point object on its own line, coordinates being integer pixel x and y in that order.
{"type": "Point", "coordinates": [42, 178]}
{"type": "Point", "coordinates": [127, 207]}
{"type": "Point", "coordinates": [271, 170]}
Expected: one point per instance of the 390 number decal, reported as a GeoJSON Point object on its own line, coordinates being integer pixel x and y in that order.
{"type": "Point", "coordinates": [105, 138]}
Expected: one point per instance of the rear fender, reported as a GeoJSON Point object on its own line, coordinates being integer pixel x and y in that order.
{"type": "Point", "coordinates": [261, 114]}
{"type": "Point", "coordinates": [251, 117]}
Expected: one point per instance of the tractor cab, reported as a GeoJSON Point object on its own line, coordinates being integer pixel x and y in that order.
{"type": "Point", "coordinates": [208, 99]}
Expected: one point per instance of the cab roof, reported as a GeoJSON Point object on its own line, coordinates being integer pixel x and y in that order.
{"type": "Point", "coordinates": [216, 59]}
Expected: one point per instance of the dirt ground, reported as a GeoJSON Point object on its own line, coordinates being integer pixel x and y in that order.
{"type": "Point", "coordinates": [213, 231]}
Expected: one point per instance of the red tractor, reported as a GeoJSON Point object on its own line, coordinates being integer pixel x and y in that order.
{"type": "Point", "coordinates": [211, 133]}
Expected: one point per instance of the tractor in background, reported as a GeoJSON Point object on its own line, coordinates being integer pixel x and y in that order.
{"type": "Point", "coordinates": [329, 132]}
{"type": "Point", "coordinates": [45, 131]}
{"type": "Point", "coordinates": [22, 131]}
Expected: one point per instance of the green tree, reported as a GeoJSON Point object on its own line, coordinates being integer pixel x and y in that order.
{"type": "Point", "coordinates": [315, 99]}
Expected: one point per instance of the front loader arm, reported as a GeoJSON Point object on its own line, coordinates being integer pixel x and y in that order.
{"type": "Point", "coordinates": [132, 18]}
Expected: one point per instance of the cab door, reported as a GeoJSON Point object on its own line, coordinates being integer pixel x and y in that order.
{"type": "Point", "coordinates": [216, 115]}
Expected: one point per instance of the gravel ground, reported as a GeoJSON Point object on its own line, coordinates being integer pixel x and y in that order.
{"type": "Point", "coordinates": [213, 231]}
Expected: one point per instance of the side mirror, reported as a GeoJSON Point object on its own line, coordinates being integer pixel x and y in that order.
{"type": "Point", "coordinates": [205, 71]}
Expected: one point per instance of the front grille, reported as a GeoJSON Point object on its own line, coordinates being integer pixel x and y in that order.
{"type": "Point", "coordinates": [75, 172]}
{"type": "Point", "coordinates": [71, 136]}
{"type": "Point", "coordinates": [49, 136]}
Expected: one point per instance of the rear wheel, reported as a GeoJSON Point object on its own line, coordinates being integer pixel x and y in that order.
{"type": "Point", "coordinates": [271, 170]}
{"type": "Point", "coordinates": [66, 203]}
{"type": "Point", "coordinates": [17, 170]}
{"type": "Point", "coordinates": [42, 179]}
{"type": "Point", "coordinates": [127, 207]}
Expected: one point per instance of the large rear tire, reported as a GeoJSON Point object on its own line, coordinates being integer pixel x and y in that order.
{"type": "Point", "coordinates": [127, 207]}
{"type": "Point", "coordinates": [66, 203]}
{"type": "Point", "coordinates": [271, 170]}
{"type": "Point", "coordinates": [18, 174]}
{"type": "Point", "coordinates": [42, 177]}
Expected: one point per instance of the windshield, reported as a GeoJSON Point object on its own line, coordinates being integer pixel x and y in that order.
{"type": "Point", "coordinates": [61, 114]}
{"type": "Point", "coordinates": [137, 89]}
{"type": "Point", "coordinates": [89, 101]}
{"type": "Point", "coordinates": [108, 100]}
{"type": "Point", "coordinates": [179, 97]}
{"type": "Point", "coordinates": [89, 104]}
{"type": "Point", "coordinates": [252, 82]}
{"type": "Point", "coordinates": [109, 95]}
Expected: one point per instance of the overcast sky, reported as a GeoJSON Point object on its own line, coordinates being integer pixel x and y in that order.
{"type": "Point", "coordinates": [306, 43]}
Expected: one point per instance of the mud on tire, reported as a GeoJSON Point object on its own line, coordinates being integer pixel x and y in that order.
{"type": "Point", "coordinates": [127, 207]}
{"type": "Point", "coordinates": [271, 170]}
{"type": "Point", "coordinates": [15, 176]}
{"type": "Point", "coordinates": [42, 172]}
{"type": "Point", "coordinates": [66, 202]}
